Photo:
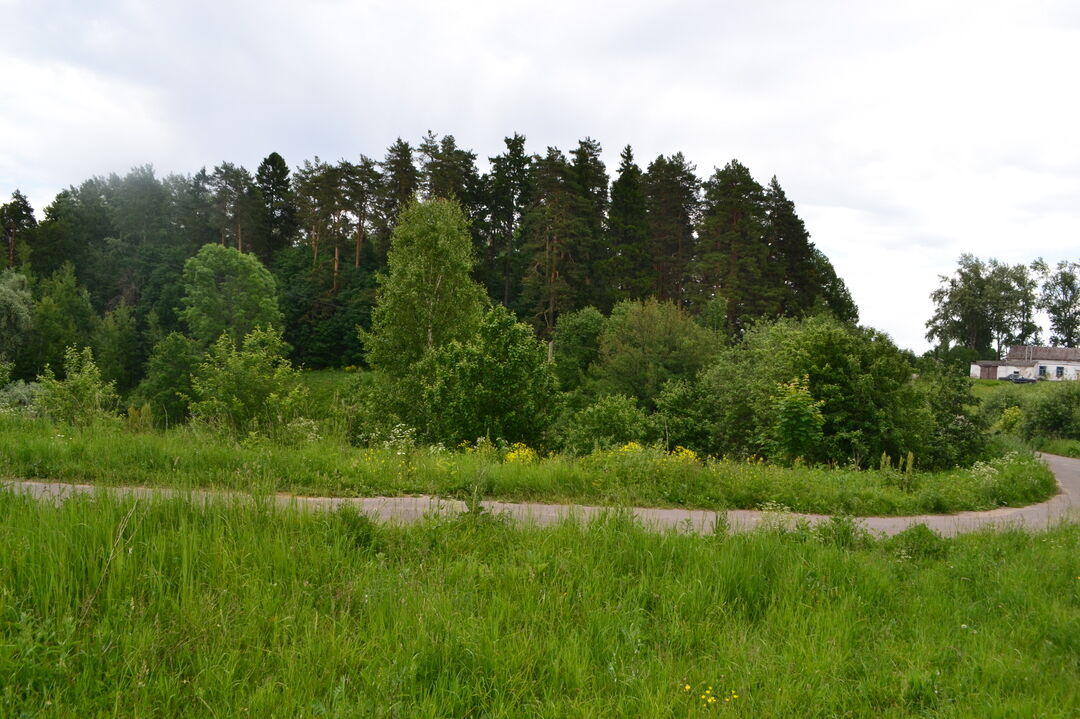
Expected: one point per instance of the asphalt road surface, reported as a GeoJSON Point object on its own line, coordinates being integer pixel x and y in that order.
{"type": "Point", "coordinates": [1064, 506]}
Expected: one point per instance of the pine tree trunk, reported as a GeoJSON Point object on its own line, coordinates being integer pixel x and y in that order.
{"type": "Point", "coordinates": [337, 267]}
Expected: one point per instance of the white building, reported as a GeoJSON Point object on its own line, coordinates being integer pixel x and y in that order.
{"type": "Point", "coordinates": [1051, 363]}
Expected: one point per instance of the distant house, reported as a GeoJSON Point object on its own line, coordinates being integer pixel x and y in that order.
{"type": "Point", "coordinates": [1052, 363]}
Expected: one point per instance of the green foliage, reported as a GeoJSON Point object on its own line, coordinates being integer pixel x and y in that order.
{"type": "Point", "coordinates": [252, 389]}
{"type": "Point", "coordinates": [576, 345]}
{"type": "Point", "coordinates": [82, 397]}
{"type": "Point", "coordinates": [16, 312]}
{"type": "Point", "coordinates": [167, 385]}
{"type": "Point", "coordinates": [117, 348]}
{"type": "Point", "coordinates": [428, 297]}
{"type": "Point", "coordinates": [645, 344]}
{"type": "Point", "coordinates": [612, 420]}
{"type": "Point", "coordinates": [958, 435]}
{"type": "Point", "coordinates": [63, 317]}
{"type": "Point", "coordinates": [1054, 413]}
{"type": "Point", "coordinates": [227, 292]}
{"type": "Point", "coordinates": [796, 430]}
{"type": "Point", "coordinates": [497, 384]}
{"type": "Point", "coordinates": [984, 306]}
{"type": "Point", "coordinates": [859, 377]}
{"type": "Point", "coordinates": [1060, 298]}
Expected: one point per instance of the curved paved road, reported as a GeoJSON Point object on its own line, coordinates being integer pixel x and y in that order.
{"type": "Point", "coordinates": [1062, 507]}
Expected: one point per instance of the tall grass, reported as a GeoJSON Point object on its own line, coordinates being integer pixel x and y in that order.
{"type": "Point", "coordinates": [165, 609]}
{"type": "Point", "coordinates": [187, 457]}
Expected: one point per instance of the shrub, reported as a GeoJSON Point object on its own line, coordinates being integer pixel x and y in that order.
{"type": "Point", "coordinates": [1056, 413]}
{"type": "Point", "coordinates": [646, 344]}
{"type": "Point", "coordinates": [796, 430]}
{"type": "Point", "coordinates": [497, 384]}
{"type": "Point", "coordinates": [253, 389]}
{"type": "Point", "coordinates": [611, 421]}
{"type": "Point", "coordinates": [82, 398]}
{"type": "Point", "coordinates": [860, 378]}
{"type": "Point", "coordinates": [167, 385]}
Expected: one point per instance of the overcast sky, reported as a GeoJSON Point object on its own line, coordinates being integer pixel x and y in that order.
{"type": "Point", "coordinates": [906, 133]}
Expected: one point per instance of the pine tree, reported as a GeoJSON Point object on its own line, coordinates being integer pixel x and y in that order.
{"type": "Point", "coordinates": [360, 187]}
{"type": "Point", "coordinates": [630, 264]}
{"type": "Point", "coordinates": [508, 193]}
{"type": "Point", "coordinates": [672, 206]}
{"type": "Point", "coordinates": [554, 227]}
{"type": "Point", "coordinates": [733, 255]}
{"type": "Point", "coordinates": [590, 250]}
{"type": "Point", "coordinates": [236, 206]}
{"type": "Point", "coordinates": [16, 219]}
{"type": "Point", "coordinates": [399, 187]}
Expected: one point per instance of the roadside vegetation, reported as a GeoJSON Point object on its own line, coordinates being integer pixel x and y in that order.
{"type": "Point", "coordinates": [628, 475]}
{"type": "Point", "coordinates": [165, 608]}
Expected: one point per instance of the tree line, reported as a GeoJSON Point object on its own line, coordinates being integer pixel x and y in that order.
{"type": "Point", "coordinates": [987, 305]}
{"type": "Point", "coordinates": [551, 231]}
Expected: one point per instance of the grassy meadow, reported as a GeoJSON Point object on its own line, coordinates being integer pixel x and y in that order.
{"type": "Point", "coordinates": [631, 475]}
{"type": "Point", "coordinates": [110, 608]}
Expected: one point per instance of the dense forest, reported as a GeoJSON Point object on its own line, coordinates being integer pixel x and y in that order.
{"type": "Point", "coordinates": [539, 303]}
{"type": "Point", "coordinates": [551, 234]}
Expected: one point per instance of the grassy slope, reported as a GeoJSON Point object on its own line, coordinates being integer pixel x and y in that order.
{"type": "Point", "coordinates": [179, 612]}
{"type": "Point", "coordinates": [187, 458]}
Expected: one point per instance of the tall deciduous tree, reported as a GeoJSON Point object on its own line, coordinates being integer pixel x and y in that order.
{"type": "Point", "coordinates": [227, 292]}
{"type": "Point", "coordinates": [984, 306]}
{"type": "Point", "coordinates": [428, 296]}
{"type": "Point", "coordinates": [1060, 298]}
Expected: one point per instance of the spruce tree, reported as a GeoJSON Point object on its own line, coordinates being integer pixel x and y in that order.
{"type": "Point", "coordinates": [279, 222]}
{"type": "Point", "coordinates": [793, 270]}
{"type": "Point", "coordinates": [590, 250]}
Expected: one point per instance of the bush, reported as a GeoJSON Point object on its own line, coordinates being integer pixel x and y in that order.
{"type": "Point", "coordinates": [1056, 413]}
{"type": "Point", "coordinates": [611, 421]}
{"type": "Point", "coordinates": [82, 398]}
{"type": "Point", "coordinates": [167, 385]}
{"type": "Point", "coordinates": [250, 390]}
{"type": "Point", "coordinates": [860, 381]}
{"type": "Point", "coordinates": [646, 344]}
{"type": "Point", "coordinates": [497, 384]}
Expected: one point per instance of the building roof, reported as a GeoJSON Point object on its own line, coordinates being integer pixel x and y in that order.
{"type": "Point", "coordinates": [1045, 354]}
{"type": "Point", "coordinates": [1006, 363]}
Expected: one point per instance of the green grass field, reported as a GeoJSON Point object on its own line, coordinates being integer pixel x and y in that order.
{"type": "Point", "coordinates": [188, 457]}
{"type": "Point", "coordinates": [164, 609]}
